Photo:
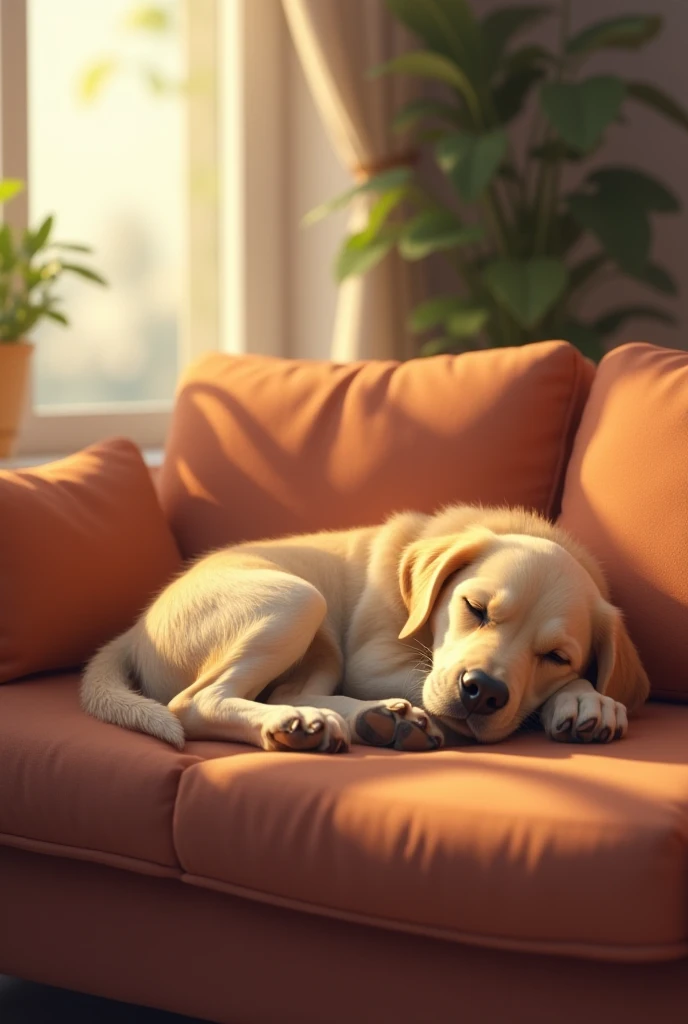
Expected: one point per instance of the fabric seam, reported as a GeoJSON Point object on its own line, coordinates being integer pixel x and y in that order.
{"type": "Point", "coordinates": [556, 947]}
{"type": "Point", "coordinates": [568, 434]}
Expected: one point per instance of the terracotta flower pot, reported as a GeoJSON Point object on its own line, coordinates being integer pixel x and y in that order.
{"type": "Point", "coordinates": [15, 362]}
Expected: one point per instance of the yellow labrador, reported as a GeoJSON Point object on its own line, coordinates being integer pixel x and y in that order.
{"type": "Point", "coordinates": [406, 635]}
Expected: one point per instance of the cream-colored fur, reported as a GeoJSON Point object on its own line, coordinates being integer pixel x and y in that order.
{"type": "Point", "coordinates": [318, 641]}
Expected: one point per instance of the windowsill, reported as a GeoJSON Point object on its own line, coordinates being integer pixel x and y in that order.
{"type": "Point", "coordinates": [152, 456]}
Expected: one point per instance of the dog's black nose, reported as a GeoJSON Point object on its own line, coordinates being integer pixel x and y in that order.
{"type": "Point", "coordinates": [482, 694]}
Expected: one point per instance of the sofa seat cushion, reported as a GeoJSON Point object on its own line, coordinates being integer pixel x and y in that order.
{"type": "Point", "coordinates": [74, 786]}
{"type": "Point", "coordinates": [262, 447]}
{"type": "Point", "coordinates": [526, 845]}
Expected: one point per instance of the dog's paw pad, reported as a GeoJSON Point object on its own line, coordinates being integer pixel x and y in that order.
{"type": "Point", "coordinates": [411, 736]}
{"type": "Point", "coordinates": [377, 726]}
{"type": "Point", "coordinates": [298, 735]}
{"type": "Point", "coordinates": [397, 724]}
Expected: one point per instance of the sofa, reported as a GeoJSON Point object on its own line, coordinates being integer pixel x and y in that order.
{"type": "Point", "coordinates": [527, 881]}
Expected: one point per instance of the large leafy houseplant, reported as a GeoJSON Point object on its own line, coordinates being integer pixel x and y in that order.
{"type": "Point", "coordinates": [527, 247]}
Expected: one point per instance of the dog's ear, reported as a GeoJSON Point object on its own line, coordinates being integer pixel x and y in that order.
{"type": "Point", "coordinates": [426, 564]}
{"type": "Point", "coordinates": [620, 673]}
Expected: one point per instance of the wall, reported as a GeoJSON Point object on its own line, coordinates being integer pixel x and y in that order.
{"type": "Point", "coordinates": [646, 141]}
{"type": "Point", "coordinates": [314, 174]}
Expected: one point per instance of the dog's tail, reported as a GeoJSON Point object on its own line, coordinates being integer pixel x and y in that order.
{"type": "Point", "coordinates": [106, 693]}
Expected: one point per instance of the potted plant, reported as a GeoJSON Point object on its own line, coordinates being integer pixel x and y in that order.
{"type": "Point", "coordinates": [31, 267]}
{"type": "Point", "coordinates": [527, 245]}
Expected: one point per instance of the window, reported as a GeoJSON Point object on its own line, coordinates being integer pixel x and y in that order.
{"type": "Point", "coordinates": [178, 191]}
{"type": "Point", "coordinates": [112, 168]}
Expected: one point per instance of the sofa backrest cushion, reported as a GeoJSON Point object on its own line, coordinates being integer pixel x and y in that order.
{"type": "Point", "coordinates": [261, 446]}
{"type": "Point", "coordinates": [84, 546]}
{"type": "Point", "coordinates": [626, 498]}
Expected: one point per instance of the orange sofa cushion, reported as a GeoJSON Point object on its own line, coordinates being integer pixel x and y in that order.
{"type": "Point", "coordinates": [261, 446]}
{"type": "Point", "coordinates": [527, 845]}
{"type": "Point", "coordinates": [84, 546]}
{"type": "Point", "coordinates": [75, 787]}
{"type": "Point", "coordinates": [626, 499]}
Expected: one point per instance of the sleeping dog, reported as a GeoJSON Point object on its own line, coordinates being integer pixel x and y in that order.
{"type": "Point", "coordinates": [424, 631]}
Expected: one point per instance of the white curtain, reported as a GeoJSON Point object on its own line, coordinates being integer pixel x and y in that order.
{"type": "Point", "coordinates": [338, 41]}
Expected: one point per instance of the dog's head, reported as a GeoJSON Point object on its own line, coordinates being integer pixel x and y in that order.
{"type": "Point", "coordinates": [512, 618]}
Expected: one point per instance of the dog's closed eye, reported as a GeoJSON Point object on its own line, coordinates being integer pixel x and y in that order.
{"type": "Point", "coordinates": [477, 611]}
{"type": "Point", "coordinates": [557, 657]}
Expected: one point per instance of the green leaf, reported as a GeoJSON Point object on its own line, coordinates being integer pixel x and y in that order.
{"type": "Point", "coordinates": [35, 241]}
{"type": "Point", "coordinates": [90, 275]}
{"type": "Point", "coordinates": [617, 212]}
{"type": "Point", "coordinates": [512, 91]}
{"type": "Point", "coordinates": [382, 182]}
{"type": "Point", "coordinates": [422, 108]}
{"type": "Point", "coordinates": [567, 232]}
{"type": "Point", "coordinates": [380, 211]}
{"type": "Point", "coordinates": [656, 277]}
{"type": "Point", "coordinates": [636, 188]}
{"type": "Point", "coordinates": [435, 231]}
{"type": "Point", "coordinates": [158, 82]}
{"type": "Point", "coordinates": [9, 188]}
{"type": "Point", "coordinates": [434, 311]}
{"type": "Point", "coordinates": [28, 316]}
{"type": "Point", "coordinates": [627, 33]}
{"type": "Point", "coordinates": [527, 289]}
{"type": "Point", "coordinates": [59, 318]}
{"type": "Point", "coordinates": [358, 254]}
{"type": "Point", "coordinates": [148, 18]}
{"type": "Point", "coordinates": [623, 231]}
{"type": "Point", "coordinates": [432, 65]}
{"type": "Point", "coordinates": [95, 78]}
{"type": "Point", "coordinates": [467, 322]}
{"type": "Point", "coordinates": [72, 247]}
{"type": "Point", "coordinates": [585, 338]}
{"type": "Point", "coordinates": [500, 26]}
{"type": "Point", "coordinates": [7, 254]}
{"type": "Point", "coordinates": [581, 111]}
{"type": "Point", "coordinates": [447, 27]}
{"type": "Point", "coordinates": [659, 101]}
{"type": "Point", "coordinates": [616, 318]}
{"type": "Point", "coordinates": [45, 272]}
{"type": "Point", "coordinates": [438, 347]}
{"type": "Point", "coordinates": [471, 160]}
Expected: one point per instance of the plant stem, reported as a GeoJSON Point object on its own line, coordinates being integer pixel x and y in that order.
{"type": "Point", "coordinates": [551, 174]}
{"type": "Point", "coordinates": [466, 272]}
{"type": "Point", "coordinates": [494, 214]}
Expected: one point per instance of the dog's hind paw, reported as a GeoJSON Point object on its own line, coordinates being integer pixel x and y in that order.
{"type": "Point", "coordinates": [396, 723]}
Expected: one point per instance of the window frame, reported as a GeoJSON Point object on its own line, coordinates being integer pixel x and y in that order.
{"type": "Point", "coordinates": [239, 125]}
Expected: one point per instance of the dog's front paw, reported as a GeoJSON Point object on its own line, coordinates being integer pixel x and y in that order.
{"type": "Point", "coordinates": [305, 729]}
{"type": "Point", "coordinates": [588, 717]}
{"type": "Point", "coordinates": [396, 723]}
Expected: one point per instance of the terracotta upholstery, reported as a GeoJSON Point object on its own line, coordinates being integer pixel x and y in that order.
{"type": "Point", "coordinates": [83, 548]}
{"type": "Point", "coordinates": [527, 845]}
{"type": "Point", "coordinates": [160, 943]}
{"type": "Point", "coordinates": [626, 499]}
{"type": "Point", "coordinates": [71, 784]}
{"type": "Point", "coordinates": [407, 842]}
{"type": "Point", "coordinates": [262, 446]}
